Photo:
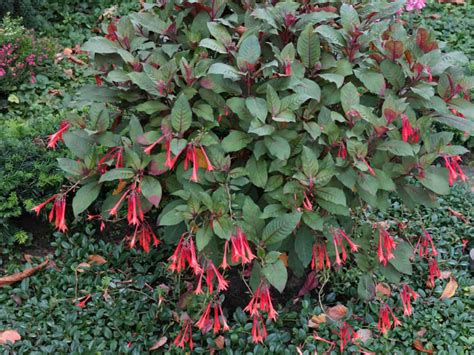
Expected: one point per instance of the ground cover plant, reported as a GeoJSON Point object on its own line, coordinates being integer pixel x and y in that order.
{"type": "Point", "coordinates": [132, 307]}
{"type": "Point", "coordinates": [258, 133]}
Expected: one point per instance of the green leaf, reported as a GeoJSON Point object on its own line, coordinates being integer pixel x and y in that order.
{"type": "Point", "coordinates": [151, 189]}
{"type": "Point", "coordinates": [278, 147]}
{"type": "Point", "coordinates": [393, 73]}
{"type": "Point", "coordinates": [78, 142]}
{"type": "Point", "coordinates": [249, 49]}
{"type": "Point", "coordinates": [366, 288]}
{"type": "Point", "coordinates": [333, 195]}
{"type": "Point", "coordinates": [436, 180]}
{"type": "Point", "coordinates": [309, 162]}
{"type": "Point", "coordinates": [308, 47]}
{"type": "Point", "coordinates": [100, 45]}
{"type": "Point", "coordinates": [213, 45]}
{"type": "Point", "coordinates": [235, 141]}
{"type": "Point", "coordinates": [374, 82]}
{"type": "Point", "coordinates": [349, 97]}
{"type": "Point", "coordinates": [349, 17]}
{"type": "Point", "coordinates": [70, 166]}
{"type": "Point", "coordinates": [181, 114]}
{"type": "Point", "coordinates": [144, 82]}
{"type": "Point", "coordinates": [226, 70]}
{"type": "Point", "coordinates": [403, 253]}
{"type": "Point", "coordinates": [203, 236]}
{"type": "Point", "coordinates": [280, 227]}
{"type": "Point", "coordinates": [84, 197]}
{"type": "Point", "coordinates": [257, 170]}
{"type": "Point", "coordinates": [117, 174]}
{"type": "Point", "coordinates": [313, 129]}
{"type": "Point", "coordinates": [276, 274]}
{"type": "Point", "coordinates": [257, 107]}
{"type": "Point", "coordinates": [304, 241]}
{"type": "Point", "coordinates": [273, 101]}
{"type": "Point", "coordinates": [400, 148]}
{"type": "Point", "coordinates": [337, 79]}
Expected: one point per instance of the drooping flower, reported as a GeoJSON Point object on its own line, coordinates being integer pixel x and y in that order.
{"type": "Point", "coordinates": [185, 252]}
{"type": "Point", "coordinates": [205, 323]}
{"type": "Point", "coordinates": [371, 171]}
{"type": "Point", "coordinates": [261, 301]}
{"type": "Point", "coordinates": [259, 331]}
{"type": "Point", "coordinates": [386, 246]}
{"type": "Point", "coordinates": [307, 205]}
{"type": "Point", "coordinates": [415, 5]}
{"type": "Point", "coordinates": [58, 211]}
{"type": "Point", "coordinates": [320, 257]}
{"type": "Point", "coordinates": [424, 242]}
{"type": "Point", "coordinates": [135, 213]}
{"type": "Point", "coordinates": [346, 334]}
{"type": "Point", "coordinates": [144, 233]}
{"type": "Point", "coordinates": [406, 295]}
{"type": "Point", "coordinates": [454, 169]}
{"type": "Point", "coordinates": [342, 152]}
{"type": "Point", "coordinates": [83, 302]}
{"type": "Point", "coordinates": [408, 132]}
{"type": "Point", "coordinates": [113, 154]}
{"type": "Point", "coordinates": [211, 272]}
{"type": "Point", "coordinates": [58, 136]}
{"type": "Point", "coordinates": [338, 239]}
{"type": "Point", "coordinates": [185, 336]}
{"type": "Point", "coordinates": [384, 323]}
{"type": "Point", "coordinates": [433, 270]}
{"type": "Point", "coordinates": [39, 207]}
{"type": "Point", "coordinates": [241, 251]}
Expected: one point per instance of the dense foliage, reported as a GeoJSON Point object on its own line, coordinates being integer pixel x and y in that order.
{"type": "Point", "coordinates": [260, 133]}
{"type": "Point", "coordinates": [125, 314]}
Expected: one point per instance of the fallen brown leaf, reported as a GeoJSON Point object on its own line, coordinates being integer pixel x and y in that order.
{"type": "Point", "coordinates": [82, 266]}
{"type": "Point", "coordinates": [316, 320]}
{"type": "Point", "coordinates": [445, 275]}
{"type": "Point", "coordinates": [97, 259]}
{"type": "Point", "coordinates": [284, 259]}
{"type": "Point", "coordinates": [8, 280]}
{"type": "Point", "coordinates": [382, 289]}
{"type": "Point", "coordinates": [220, 342]}
{"type": "Point", "coordinates": [162, 341]}
{"type": "Point", "coordinates": [417, 344]}
{"type": "Point", "coordinates": [421, 333]}
{"type": "Point", "coordinates": [28, 258]}
{"type": "Point", "coordinates": [9, 335]}
{"type": "Point", "coordinates": [67, 51]}
{"type": "Point", "coordinates": [450, 289]}
{"type": "Point", "coordinates": [337, 312]}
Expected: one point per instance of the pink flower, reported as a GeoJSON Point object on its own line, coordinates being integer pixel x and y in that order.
{"type": "Point", "coordinates": [2, 72]}
{"type": "Point", "coordinates": [415, 5]}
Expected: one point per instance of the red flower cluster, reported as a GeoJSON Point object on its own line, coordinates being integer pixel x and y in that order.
{"type": "Point", "coordinates": [185, 336]}
{"type": "Point", "coordinates": [58, 212]}
{"type": "Point", "coordinates": [433, 270]}
{"type": "Point", "coordinates": [408, 132]}
{"type": "Point", "coordinates": [384, 323]}
{"type": "Point", "coordinates": [261, 301]}
{"type": "Point", "coordinates": [454, 170]}
{"type": "Point", "coordinates": [386, 246]}
{"type": "Point", "coordinates": [240, 250]}
{"type": "Point", "coordinates": [259, 331]}
{"type": "Point", "coordinates": [145, 235]}
{"type": "Point", "coordinates": [205, 323]}
{"type": "Point", "coordinates": [342, 152]}
{"type": "Point", "coordinates": [424, 243]}
{"type": "Point", "coordinates": [406, 295]}
{"type": "Point", "coordinates": [185, 252]}
{"type": "Point", "coordinates": [346, 334]}
{"type": "Point", "coordinates": [320, 255]}
{"type": "Point", "coordinates": [338, 239]}
{"type": "Point", "coordinates": [211, 272]}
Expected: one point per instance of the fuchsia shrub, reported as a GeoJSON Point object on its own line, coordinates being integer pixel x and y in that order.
{"type": "Point", "coordinates": [258, 132]}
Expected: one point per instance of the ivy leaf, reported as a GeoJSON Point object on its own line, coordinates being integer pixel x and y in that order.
{"type": "Point", "coordinates": [280, 227]}
{"type": "Point", "coordinates": [151, 189]}
{"type": "Point", "coordinates": [181, 114]}
{"type": "Point", "coordinates": [308, 47]}
{"type": "Point", "coordinates": [276, 274]}
{"type": "Point", "coordinates": [84, 197]}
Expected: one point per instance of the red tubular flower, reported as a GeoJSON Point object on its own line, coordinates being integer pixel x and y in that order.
{"type": "Point", "coordinates": [338, 239]}
{"type": "Point", "coordinates": [185, 252]}
{"type": "Point", "coordinates": [39, 207]}
{"type": "Point", "coordinates": [185, 336]}
{"type": "Point", "coordinates": [386, 246]}
{"type": "Point", "coordinates": [208, 162]}
{"type": "Point", "coordinates": [342, 152]}
{"type": "Point", "coordinates": [384, 323]}
{"type": "Point", "coordinates": [406, 295]}
{"type": "Point", "coordinates": [408, 132]}
{"type": "Point", "coordinates": [259, 331]}
{"type": "Point", "coordinates": [204, 323]}
{"type": "Point", "coordinates": [148, 149]}
{"type": "Point", "coordinates": [307, 203]}
{"type": "Point", "coordinates": [287, 67]}
{"type": "Point", "coordinates": [320, 254]}
{"type": "Point", "coordinates": [346, 334]}
{"type": "Point", "coordinates": [241, 251]}
{"type": "Point", "coordinates": [261, 301]}
{"type": "Point", "coordinates": [83, 303]}
{"type": "Point", "coordinates": [58, 136]}
{"type": "Point", "coordinates": [145, 235]}
{"type": "Point", "coordinates": [424, 242]}
{"type": "Point", "coordinates": [434, 272]}
{"type": "Point", "coordinates": [454, 169]}
{"type": "Point", "coordinates": [211, 272]}
{"type": "Point", "coordinates": [114, 210]}
{"type": "Point", "coordinates": [371, 171]}
{"type": "Point", "coordinates": [58, 213]}
{"type": "Point", "coordinates": [135, 213]}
